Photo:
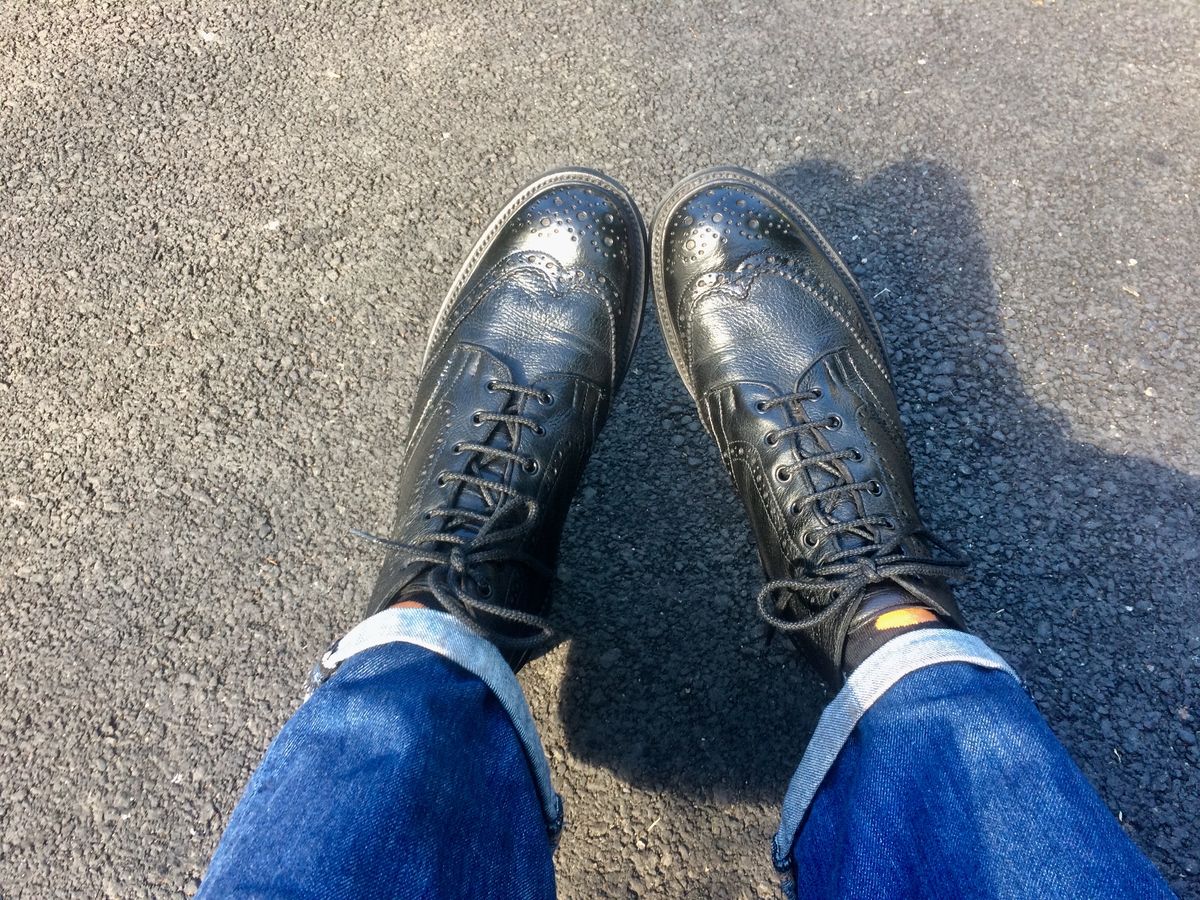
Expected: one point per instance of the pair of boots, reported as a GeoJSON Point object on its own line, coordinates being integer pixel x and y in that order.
{"type": "Point", "coordinates": [776, 344]}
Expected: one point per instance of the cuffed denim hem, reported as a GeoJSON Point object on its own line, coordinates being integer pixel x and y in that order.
{"type": "Point", "coordinates": [444, 635]}
{"type": "Point", "coordinates": [870, 681]}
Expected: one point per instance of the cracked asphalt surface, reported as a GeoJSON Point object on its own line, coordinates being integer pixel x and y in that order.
{"type": "Point", "coordinates": [226, 226]}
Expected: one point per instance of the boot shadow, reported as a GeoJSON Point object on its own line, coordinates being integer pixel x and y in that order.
{"type": "Point", "coordinates": [1085, 568]}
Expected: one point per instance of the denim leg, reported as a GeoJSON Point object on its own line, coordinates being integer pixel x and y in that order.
{"type": "Point", "coordinates": [403, 775]}
{"type": "Point", "coordinates": [952, 785]}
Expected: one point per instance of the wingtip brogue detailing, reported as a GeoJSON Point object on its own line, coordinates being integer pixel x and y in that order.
{"type": "Point", "coordinates": [582, 215]}
{"type": "Point", "coordinates": [522, 363]}
{"type": "Point", "coordinates": [778, 346]}
{"type": "Point", "coordinates": [581, 218]}
{"type": "Point", "coordinates": [726, 214]}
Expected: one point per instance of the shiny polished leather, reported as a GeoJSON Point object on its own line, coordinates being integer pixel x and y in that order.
{"type": "Point", "coordinates": [523, 361]}
{"type": "Point", "coordinates": [779, 349]}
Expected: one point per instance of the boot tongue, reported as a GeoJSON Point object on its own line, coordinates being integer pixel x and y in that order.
{"type": "Point", "coordinates": [472, 498]}
{"type": "Point", "coordinates": [497, 470]}
{"type": "Point", "coordinates": [843, 507]}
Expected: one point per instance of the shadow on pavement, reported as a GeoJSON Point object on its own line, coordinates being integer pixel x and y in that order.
{"type": "Point", "coordinates": [1080, 556]}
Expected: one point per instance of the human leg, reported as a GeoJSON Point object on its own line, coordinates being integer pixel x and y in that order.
{"type": "Point", "coordinates": [417, 749]}
{"type": "Point", "coordinates": [781, 352]}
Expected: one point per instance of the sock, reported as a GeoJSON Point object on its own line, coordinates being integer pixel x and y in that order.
{"type": "Point", "coordinates": [884, 614]}
{"type": "Point", "coordinates": [415, 597]}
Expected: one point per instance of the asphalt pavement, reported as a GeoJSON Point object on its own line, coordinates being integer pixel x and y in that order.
{"type": "Point", "coordinates": [225, 227]}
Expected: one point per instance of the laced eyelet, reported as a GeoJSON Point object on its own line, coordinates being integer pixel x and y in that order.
{"type": "Point", "coordinates": [477, 418]}
{"type": "Point", "coordinates": [546, 399]}
{"type": "Point", "coordinates": [889, 524]}
{"type": "Point", "coordinates": [810, 539]}
{"type": "Point", "coordinates": [531, 466]}
{"type": "Point", "coordinates": [760, 405]}
{"type": "Point", "coordinates": [428, 515]}
{"type": "Point", "coordinates": [442, 480]}
{"type": "Point", "coordinates": [457, 448]}
{"type": "Point", "coordinates": [874, 488]}
{"type": "Point", "coordinates": [491, 386]}
{"type": "Point", "coordinates": [833, 423]}
{"type": "Point", "coordinates": [783, 474]}
{"type": "Point", "coordinates": [856, 454]}
{"type": "Point", "coordinates": [770, 439]}
{"type": "Point", "coordinates": [816, 393]}
{"type": "Point", "coordinates": [539, 430]}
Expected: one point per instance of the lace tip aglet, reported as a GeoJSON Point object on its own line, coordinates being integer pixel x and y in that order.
{"type": "Point", "coordinates": [367, 536]}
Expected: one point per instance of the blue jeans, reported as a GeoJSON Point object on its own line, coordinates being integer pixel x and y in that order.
{"type": "Point", "coordinates": [414, 770]}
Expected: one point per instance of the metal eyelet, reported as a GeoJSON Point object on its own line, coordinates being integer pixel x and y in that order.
{"type": "Point", "coordinates": [491, 386]}
{"type": "Point", "coordinates": [442, 480]}
{"type": "Point", "coordinates": [457, 448]}
{"type": "Point", "coordinates": [816, 392]}
{"type": "Point", "coordinates": [874, 488]}
{"type": "Point", "coordinates": [783, 474]}
{"type": "Point", "coordinates": [546, 399]}
{"type": "Point", "coordinates": [833, 423]}
{"type": "Point", "coordinates": [856, 454]}
{"type": "Point", "coordinates": [539, 430]}
{"type": "Point", "coordinates": [810, 539]}
{"type": "Point", "coordinates": [760, 405]}
{"type": "Point", "coordinates": [771, 439]}
{"type": "Point", "coordinates": [796, 508]}
{"type": "Point", "coordinates": [477, 418]}
{"type": "Point", "coordinates": [531, 466]}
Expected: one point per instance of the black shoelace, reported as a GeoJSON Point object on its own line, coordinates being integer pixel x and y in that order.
{"type": "Point", "coordinates": [462, 539]}
{"type": "Point", "coordinates": [840, 579]}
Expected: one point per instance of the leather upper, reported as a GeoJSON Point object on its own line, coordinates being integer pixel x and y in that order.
{"type": "Point", "coordinates": [787, 366]}
{"type": "Point", "coordinates": [519, 376]}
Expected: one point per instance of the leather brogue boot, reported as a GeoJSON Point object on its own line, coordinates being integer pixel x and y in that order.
{"type": "Point", "coordinates": [783, 356]}
{"type": "Point", "coordinates": [527, 351]}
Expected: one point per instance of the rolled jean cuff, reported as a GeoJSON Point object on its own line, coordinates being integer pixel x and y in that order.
{"type": "Point", "coordinates": [444, 635]}
{"type": "Point", "coordinates": [870, 681]}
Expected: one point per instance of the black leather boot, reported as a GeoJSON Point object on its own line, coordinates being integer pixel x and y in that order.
{"type": "Point", "coordinates": [519, 374]}
{"type": "Point", "coordinates": [783, 356]}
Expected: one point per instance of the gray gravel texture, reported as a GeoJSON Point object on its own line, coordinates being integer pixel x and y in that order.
{"type": "Point", "coordinates": [226, 226]}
